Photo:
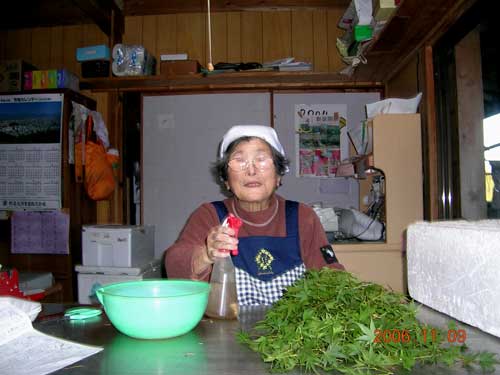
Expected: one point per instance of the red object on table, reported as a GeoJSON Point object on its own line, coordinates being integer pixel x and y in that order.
{"type": "Point", "coordinates": [9, 286]}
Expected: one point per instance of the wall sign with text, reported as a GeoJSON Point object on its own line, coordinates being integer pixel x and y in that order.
{"type": "Point", "coordinates": [318, 136]}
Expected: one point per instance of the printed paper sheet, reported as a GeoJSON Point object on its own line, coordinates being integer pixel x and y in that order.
{"type": "Point", "coordinates": [26, 351]}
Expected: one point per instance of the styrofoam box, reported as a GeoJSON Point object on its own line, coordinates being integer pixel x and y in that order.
{"type": "Point", "coordinates": [453, 268]}
{"type": "Point", "coordinates": [117, 245]}
{"type": "Point", "coordinates": [92, 278]}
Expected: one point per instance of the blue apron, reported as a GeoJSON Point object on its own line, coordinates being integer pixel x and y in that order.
{"type": "Point", "coordinates": [266, 265]}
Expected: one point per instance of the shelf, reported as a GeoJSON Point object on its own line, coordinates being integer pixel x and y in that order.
{"type": "Point", "coordinates": [414, 24]}
{"type": "Point", "coordinates": [230, 81]}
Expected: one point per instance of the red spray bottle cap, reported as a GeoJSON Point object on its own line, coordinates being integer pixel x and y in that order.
{"type": "Point", "coordinates": [234, 223]}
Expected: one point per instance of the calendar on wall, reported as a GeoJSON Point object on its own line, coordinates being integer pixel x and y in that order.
{"type": "Point", "coordinates": [30, 151]}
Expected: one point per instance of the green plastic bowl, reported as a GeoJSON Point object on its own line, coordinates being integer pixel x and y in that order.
{"type": "Point", "coordinates": [154, 309]}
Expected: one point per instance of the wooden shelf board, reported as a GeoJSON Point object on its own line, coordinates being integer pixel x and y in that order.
{"type": "Point", "coordinates": [230, 80]}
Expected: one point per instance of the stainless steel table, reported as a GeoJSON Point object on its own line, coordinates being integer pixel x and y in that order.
{"type": "Point", "coordinates": [211, 348]}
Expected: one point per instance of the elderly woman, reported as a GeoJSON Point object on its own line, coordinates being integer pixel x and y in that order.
{"type": "Point", "coordinates": [279, 239]}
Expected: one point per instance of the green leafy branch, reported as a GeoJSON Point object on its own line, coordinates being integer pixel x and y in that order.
{"type": "Point", "coordinates": [329, 320]}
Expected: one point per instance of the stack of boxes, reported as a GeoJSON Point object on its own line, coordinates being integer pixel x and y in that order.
{"type": "Point", "coordinates": [12, 74]}
{"type": "Point", "coordinates": [50, 79]}
{"type": "Point", "coordinates": [19, 75]}
{"type": "Point", "coordinates": [115, 253]}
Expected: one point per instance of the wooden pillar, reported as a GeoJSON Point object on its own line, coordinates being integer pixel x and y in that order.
{"type": "Point", "coordinates": [470, 127]}
{"type": "Point", "coordinates": [429, 132]}
{"type": "Point", "coordinates": [115, 105]}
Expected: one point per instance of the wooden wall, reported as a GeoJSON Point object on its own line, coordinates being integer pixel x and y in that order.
{"type": "Point", "coordinates": [307, 35]}
{"type": "Point", "coordinates": [55, 48]}
{"type": "Point", "coordinates": [404, 84]}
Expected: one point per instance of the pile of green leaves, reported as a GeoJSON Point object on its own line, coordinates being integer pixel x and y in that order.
{"type": "Point", "coordinates": [329, 321]}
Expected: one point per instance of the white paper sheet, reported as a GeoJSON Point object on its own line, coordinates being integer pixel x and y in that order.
{"type": "Point", "coordinates": [27, 351]}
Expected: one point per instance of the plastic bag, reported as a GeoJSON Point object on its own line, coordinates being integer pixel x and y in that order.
{"type": "Point", "coordinates": [99, 176]}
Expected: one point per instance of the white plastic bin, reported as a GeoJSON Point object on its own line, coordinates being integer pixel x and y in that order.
{"type": "Point", "coordinates": [91, 278]}
{"type": "Point", "coordinates": [117, 245]}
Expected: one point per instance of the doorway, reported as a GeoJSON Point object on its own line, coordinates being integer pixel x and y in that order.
{"type": "Point", "coordinates": [468, 102]}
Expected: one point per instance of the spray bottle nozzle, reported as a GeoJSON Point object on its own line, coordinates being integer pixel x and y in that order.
{"type": "Point", "coordinates": [234, 223]}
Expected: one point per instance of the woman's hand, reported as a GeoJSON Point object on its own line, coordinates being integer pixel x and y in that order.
{"type": "Point", "coordinates": [220, 241]}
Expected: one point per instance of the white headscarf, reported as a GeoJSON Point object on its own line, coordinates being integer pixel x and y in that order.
{"type": "Point", "coordinates": [260, 131]}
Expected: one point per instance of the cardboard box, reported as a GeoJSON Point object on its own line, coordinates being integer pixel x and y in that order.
{"type": "Point", "coordinates": [67, 80]}
{"type": "Point", "coordinates": [95, 68]}
{"type": "Point", "coordinates": [179, 68]}
{"type": "Point", "coordinates": [382, 9]}
{"type": "Point", "coordinates": [99, 52]}
{"type": "Point", "coordinates": [38, 81]}
{"type": "Point", "coordinates": [28, 80]}
{"type": "Point", "coordinates": [362, 32]}
{"type": "Point", "coordinates": [12, 74]}
{"type": "Point", "coordinates": [51, 79]}
{"type": "Point", "coordinates": [117, 245]}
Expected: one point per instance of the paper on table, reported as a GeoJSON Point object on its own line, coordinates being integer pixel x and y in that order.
{"type": "Point", "coordinates": [30, 308]}
{"type": "Point", "coordinates": [27, 351]}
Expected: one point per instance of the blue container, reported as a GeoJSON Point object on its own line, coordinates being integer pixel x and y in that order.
{"type": "Point", "coordinates": [100, 52]}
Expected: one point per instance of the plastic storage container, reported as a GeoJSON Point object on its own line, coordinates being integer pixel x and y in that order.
{"type": "Point", "coordinates": [92, 278]}
{"type": "Point", "coordinates": [117, 245]}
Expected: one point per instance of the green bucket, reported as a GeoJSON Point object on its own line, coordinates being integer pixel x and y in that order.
{"type": "Point", "coordinates": [154, 309]}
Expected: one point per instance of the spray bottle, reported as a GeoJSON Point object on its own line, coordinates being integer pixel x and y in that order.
{"type": "Point", "coordinates": [223, 300]}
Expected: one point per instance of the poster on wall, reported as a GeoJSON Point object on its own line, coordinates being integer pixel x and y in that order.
{"type": "Point", "coordinates": [30, 151]}
{"type": "Point", "coordinates": [317, 138]}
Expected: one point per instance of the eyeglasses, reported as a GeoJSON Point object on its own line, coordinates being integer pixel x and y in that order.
{"type": "Point", "coordinates": [261, 163]}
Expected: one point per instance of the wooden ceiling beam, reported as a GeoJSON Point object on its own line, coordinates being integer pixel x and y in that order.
{"type": "Point", "coordinates": [45, 13]}
{"type": "Point", "coordinates": [152, 7]}
{"type": "Point", "coordinates": [101, 13]}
